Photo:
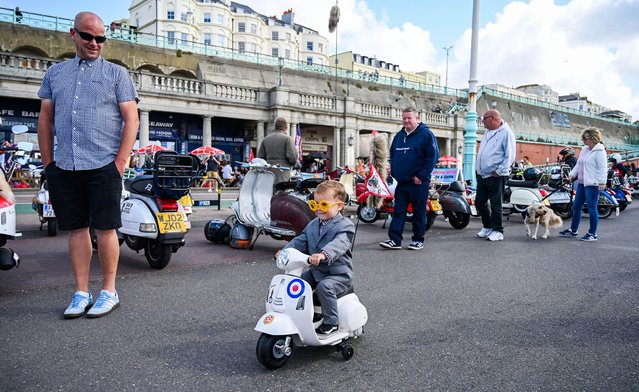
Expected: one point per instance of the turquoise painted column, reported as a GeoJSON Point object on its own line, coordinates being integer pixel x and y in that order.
{"type": "Point", "coordinates": [470, 145]}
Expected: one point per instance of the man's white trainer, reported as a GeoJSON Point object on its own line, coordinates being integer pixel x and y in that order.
{"type": "Point", "coordinates": [484, 232]}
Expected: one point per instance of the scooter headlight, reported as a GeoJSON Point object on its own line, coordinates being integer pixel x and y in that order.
{"type": "Point", "coordinates": [282, 259]}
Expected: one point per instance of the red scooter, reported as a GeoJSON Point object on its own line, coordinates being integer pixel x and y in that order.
{"type": "Point", "coordinates": [368, 214]}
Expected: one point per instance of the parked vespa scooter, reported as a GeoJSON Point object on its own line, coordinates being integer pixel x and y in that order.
{"type": "Point", "coordinates": [521, 194]}
{"type": "Point", "coordinates": [452, 198]}
{"type": "Point", "coordinates": [290, 308]}
{"type": "Point", "coordinates": [8, 258]}
{"type": "Point", "coordinates": [41, 203]}
{"type": "Point", "coordinates": [370, 214]}
{"type": "Point", "coordinates": [152, 218]}
{"type": "Point", "coordinates": [282, 215]}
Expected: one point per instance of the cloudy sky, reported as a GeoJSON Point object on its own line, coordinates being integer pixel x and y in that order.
{"type": "Point", "coordinates": [585, 46]}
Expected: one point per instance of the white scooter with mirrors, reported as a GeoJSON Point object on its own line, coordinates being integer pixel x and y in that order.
{"type": "Point", "coordinates": [292, 315]}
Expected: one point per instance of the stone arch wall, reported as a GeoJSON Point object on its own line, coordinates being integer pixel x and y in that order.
{"type": "Point", "coordinates": [181, 73]}
{"type": "Point", "coordinates": [30, 50]}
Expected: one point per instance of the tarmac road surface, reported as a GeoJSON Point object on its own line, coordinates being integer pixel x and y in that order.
{"type": "Point", "coordinates": [462, 314]}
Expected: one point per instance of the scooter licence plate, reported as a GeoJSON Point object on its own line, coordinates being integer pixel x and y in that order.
{"type": "Point", "coordinates": [171, 222]}
{"type": "Point", "coordinates": [436, 205]}
{"type": "Point", "coordinates": [629, 198]}
{"type": "Point", "coordinates": [47, 211]}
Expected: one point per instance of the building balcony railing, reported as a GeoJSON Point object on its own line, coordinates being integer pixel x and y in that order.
{"type": "Point", "coordinates": [63, 24]}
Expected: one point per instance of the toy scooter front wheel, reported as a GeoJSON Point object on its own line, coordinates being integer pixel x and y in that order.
{"type": "Point", "coordinates": [273, 351]}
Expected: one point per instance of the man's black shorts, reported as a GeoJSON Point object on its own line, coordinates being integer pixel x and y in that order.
{"type": "Point", "coordinates": [85, 198]}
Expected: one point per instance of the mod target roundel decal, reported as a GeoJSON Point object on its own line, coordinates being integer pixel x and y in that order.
{"type": "Point", "coordinates": [295, 288]}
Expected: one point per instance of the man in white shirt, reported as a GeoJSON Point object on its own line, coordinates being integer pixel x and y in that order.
{"type": "Point", "coordinates": [494, 159]}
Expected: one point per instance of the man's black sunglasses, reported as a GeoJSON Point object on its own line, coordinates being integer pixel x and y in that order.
{"type": "Point", "coordinates": [99, 39]}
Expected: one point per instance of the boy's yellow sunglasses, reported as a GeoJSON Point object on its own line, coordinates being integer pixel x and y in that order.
{"type": "Point", "coordinates": [323, 205]}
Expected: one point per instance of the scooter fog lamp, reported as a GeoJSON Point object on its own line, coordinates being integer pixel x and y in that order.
{"type": "Point", "coordinates": [147, 228]}
{"type": "Point", "coordinates": [282, 259]}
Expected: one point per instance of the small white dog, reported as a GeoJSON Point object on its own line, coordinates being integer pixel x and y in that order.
{"type": "Point", "coordinates": [540, 214]}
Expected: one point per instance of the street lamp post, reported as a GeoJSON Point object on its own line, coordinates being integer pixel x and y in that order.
{"type": "Point", "coordinates": [447, 49]}
{"type": "Point", "coordinates": [470, 130]}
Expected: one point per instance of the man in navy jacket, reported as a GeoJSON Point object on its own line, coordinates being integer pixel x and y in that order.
{"type": "Point", "coordinates": [413, 154]}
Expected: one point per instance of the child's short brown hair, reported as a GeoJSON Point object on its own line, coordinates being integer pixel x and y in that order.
{"type": "Point", "coordinates": [336, 187]}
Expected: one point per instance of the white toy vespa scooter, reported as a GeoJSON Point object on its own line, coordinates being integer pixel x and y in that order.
{"type": "Point", "coordinates": [289, 315]}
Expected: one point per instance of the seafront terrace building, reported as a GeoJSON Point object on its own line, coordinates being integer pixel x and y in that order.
{"type": "Point", "coordinates": [218, 96]}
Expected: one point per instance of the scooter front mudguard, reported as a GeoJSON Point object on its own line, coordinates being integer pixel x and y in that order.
{"type": "Point", "coordinates": [451, 201]}
{"type": "Point", "coordinates": [276, 324]}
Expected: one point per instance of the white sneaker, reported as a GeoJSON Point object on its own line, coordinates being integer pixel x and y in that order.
{"type": "Point", "coordinates": [105, 303]}
{"type": "Point", "coordinates": [495, 236]}
{"type": "Point", "coordinates": [81, 302]}
{"type": "Point", "coordinates": [484, 232]}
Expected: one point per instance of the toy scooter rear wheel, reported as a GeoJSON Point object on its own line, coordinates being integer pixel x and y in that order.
{"type": "Point", "coordinates": [272, 351]}
{"type": "Point", "coordinates": [347, 351]}
{"type": "Point", "coordinates": [158, 255]}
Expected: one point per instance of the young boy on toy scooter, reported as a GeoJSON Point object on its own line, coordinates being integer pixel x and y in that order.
{"type": "Point", "coordinates": [328, 239]}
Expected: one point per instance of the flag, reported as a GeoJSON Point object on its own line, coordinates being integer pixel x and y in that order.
{"type": "Point", "coordinates": [375, 184]}
{"type": "Point", "coordinates": [298, 143]}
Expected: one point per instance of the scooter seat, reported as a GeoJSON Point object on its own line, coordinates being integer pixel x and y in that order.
{"type": "Point", "coordinates": [142, 185]}
{"type": "Point", "coordinates": [523, 183]}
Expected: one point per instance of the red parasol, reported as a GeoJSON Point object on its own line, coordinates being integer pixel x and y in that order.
{"type": "Point", "coordinates": [207, 150]}
{"type": "Point", "coordinates": [447, 159]}
{"type": "Point", "coordinates": [150, 149]}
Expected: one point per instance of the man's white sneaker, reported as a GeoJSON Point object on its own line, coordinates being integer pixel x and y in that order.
{"type": "Point", "coordinates": [106, 303]}
{"type": "Point", "coordinates": [495, 236]}
{"type": "Point", "coordinates": [484, 232]}
{"type": "Point", "coordinates": [80, 303]}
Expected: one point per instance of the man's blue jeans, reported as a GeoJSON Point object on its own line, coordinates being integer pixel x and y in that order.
{"type": "Point", "coordinates": [417, 196]}
{"type": "Point", "coordinates": [591, 195]}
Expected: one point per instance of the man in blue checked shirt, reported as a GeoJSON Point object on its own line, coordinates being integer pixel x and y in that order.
{"type": "Point", "coordinates": [90, 106]}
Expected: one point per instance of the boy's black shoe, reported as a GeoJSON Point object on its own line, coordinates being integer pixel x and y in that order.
{"type": "Point", "coordinates": [324, 330]}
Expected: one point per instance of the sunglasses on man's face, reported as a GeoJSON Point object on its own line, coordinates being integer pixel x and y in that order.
{"type": "Point", "coordinates": [99, 39]}
{"type": "Point", "coordinates": [323, 205]}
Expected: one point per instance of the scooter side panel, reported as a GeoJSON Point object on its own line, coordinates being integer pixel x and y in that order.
{"type": "Point", "coordinates": [352, 314]}
{"type": "Point", "coordinates": [454, 202]}
{"type": "Point", "coordinates": [134, 212]}
{"type": "Point", "coordinates": [9, 217]}
{"type": "Point", "coordinates": [524, 196]}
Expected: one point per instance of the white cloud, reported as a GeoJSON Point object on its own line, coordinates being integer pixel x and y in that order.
{"type": "Point", "coordinates": [586, 46]}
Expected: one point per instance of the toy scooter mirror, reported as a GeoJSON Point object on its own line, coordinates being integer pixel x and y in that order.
{"type": "Point", "coordinates": [282, 259]}
{"type": "Point", "coordinates": [18, 129]}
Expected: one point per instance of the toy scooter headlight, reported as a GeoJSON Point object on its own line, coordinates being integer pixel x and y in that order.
{"type": "Point", "coordinates": [282, 259]}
